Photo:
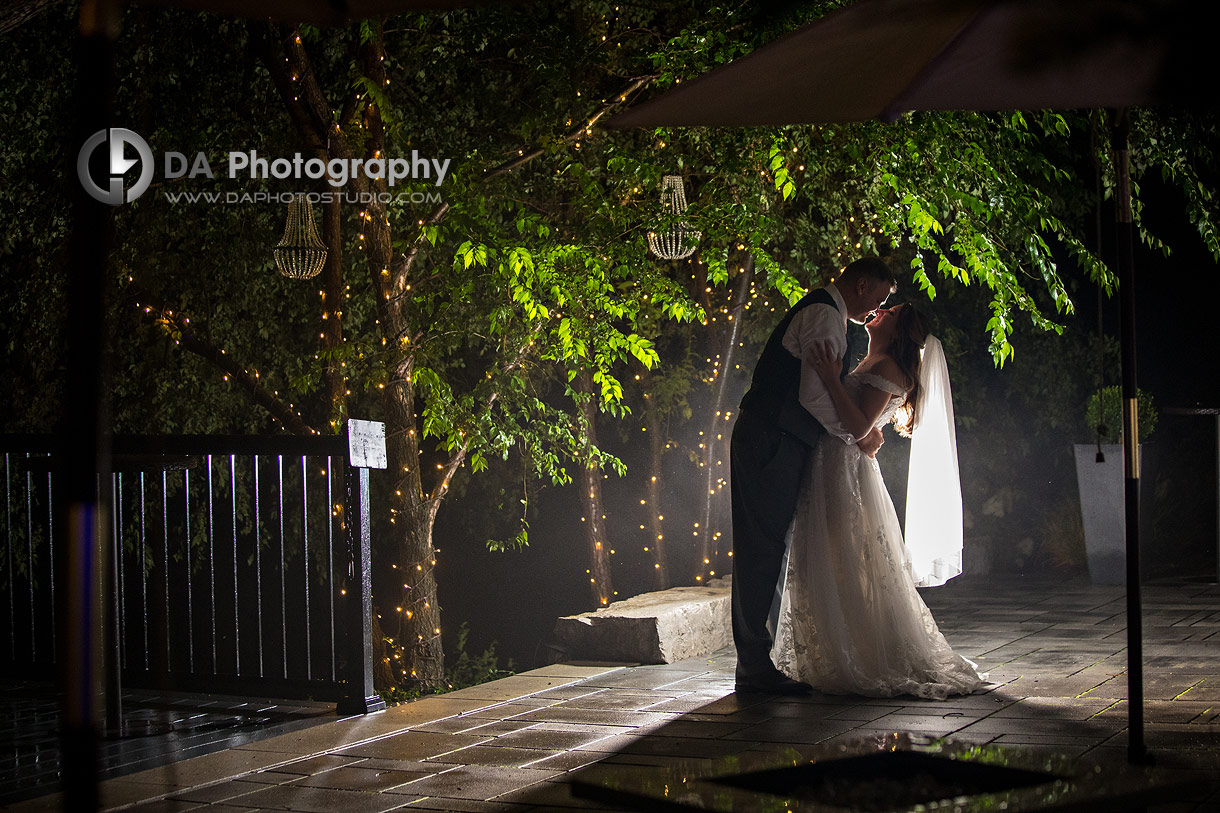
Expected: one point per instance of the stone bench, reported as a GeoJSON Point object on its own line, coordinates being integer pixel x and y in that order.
{"type": "Point", "coordinates": [660, 627]}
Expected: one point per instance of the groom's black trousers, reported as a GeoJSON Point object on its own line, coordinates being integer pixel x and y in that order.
{"type": "Point", "coordinates": [765, 467]}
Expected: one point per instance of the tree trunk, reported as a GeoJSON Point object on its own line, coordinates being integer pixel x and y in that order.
{"type": "Point", "coordinates": [594, 518]}
{"type": "Point", "coordinates": [413, 513]}
{"type": "Point", "coordinates": [334, 382]}
{"type": "Point", "coordinates": [716, 523]}
{"type": "Point", "coordinates": [656, 512]}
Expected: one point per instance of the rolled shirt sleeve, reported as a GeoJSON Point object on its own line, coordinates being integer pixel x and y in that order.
{"type": "Point", "coordinates": [813, 324]}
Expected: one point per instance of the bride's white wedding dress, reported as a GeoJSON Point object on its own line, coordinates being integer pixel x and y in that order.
{"type": "Point", "coordinates": [850, 619]}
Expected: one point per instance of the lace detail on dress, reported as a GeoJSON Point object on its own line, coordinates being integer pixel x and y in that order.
{"type": "Point", "coordinates": [880, 382]}
{"type": "Point", "coordinates": [851, 620]}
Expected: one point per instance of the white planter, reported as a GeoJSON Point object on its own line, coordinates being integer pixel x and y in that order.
{"type": "Point", "coordinates": [1102, 488]}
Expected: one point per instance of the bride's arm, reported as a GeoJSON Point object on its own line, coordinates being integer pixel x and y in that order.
{"type": "Point", "coordinates": [871, 443]}
{"type": "Point", "coordinates": [857, 418]}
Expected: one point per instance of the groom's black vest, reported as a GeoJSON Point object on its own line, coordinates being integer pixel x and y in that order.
{"type": "Point", "coordinates": [775, 387]}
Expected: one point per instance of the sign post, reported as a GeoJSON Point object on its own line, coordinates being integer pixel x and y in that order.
{"type": "Point", "coordinates": [366, 449]}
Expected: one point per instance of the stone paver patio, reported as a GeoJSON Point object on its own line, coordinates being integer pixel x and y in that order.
{"type": "Point", "coordinates": [1054, 649]}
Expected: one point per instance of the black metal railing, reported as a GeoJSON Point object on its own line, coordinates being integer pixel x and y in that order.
{"type": "Point", "coordinates": [238, 563]}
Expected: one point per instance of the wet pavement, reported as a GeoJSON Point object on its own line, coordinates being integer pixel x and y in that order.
{"type": "Point", "coordinates": [159, 728]}
{"type": "Point", "coordinates": [1055, 651]}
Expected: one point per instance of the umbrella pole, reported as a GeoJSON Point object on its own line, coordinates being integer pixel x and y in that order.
{"type": "Point", "coordinates": [1136, 749]}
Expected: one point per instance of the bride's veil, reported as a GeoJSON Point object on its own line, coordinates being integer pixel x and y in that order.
{"type": "Point", "coordinates": [934, 491]}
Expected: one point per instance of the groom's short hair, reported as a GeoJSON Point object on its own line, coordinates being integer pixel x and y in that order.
{"type": "Point", "coordinates": [873, 268]}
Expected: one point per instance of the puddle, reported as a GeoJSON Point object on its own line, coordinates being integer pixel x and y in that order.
{"type": "Point", "coordinates": [891, 772]}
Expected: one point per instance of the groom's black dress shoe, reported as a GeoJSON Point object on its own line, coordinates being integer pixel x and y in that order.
{"type": "Point", "coordinates": [772, 684]}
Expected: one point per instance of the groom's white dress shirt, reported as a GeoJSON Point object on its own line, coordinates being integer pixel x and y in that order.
{"type": "Point", "coordinates": [813, 324]}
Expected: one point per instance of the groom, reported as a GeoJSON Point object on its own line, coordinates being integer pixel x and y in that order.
{"type": "Point", "coordinates": [783, 415]}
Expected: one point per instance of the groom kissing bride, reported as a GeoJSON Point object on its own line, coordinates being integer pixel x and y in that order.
{"type": "Point", "coordinates": [805, 481]}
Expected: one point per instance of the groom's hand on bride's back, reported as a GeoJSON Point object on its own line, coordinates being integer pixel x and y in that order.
{"type": "Point", "coordinates": [871, 443]}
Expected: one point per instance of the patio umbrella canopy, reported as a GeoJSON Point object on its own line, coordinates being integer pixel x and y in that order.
{"type": "Point", "coordinates": [881, 58]}
{"type": "Point", "coordinates": [317, 12]}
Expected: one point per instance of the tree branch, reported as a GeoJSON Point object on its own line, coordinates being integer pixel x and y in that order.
{"type": "Point", "coordinates": [442, 485]}
{"type": "Point", "coordinates": [278, 65]}
{"type": "Point", "coordinates": [584, 130]}
{"type": "Point", "coordinates": [459, 454]}
{"type": "Point", "coordinates": [297, 83]}
{"type": "Point", "coordinates": [178, 325]}
{"type": "Point", "coordinates": [16, 13]}
{"type": "Point", "coordinates": [403, 267]}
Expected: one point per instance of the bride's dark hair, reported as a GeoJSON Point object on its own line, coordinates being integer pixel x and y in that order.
{"type": "Point", "coordinates": [909, 337]}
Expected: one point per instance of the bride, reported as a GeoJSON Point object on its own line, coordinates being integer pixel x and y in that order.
{"type": "Point", "coordinates": [850, 619]}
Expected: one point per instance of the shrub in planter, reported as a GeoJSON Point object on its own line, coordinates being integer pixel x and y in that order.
{"type": "Point", "coordinates": [1101, 482]}
{"type": "Point", "coordinates": [1104, 414]}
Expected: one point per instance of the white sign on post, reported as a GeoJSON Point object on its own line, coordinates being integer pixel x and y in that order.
{"type": "Point", "coordinates": [366, 444]}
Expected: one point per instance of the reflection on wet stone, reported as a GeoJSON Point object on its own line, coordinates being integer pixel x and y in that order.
{"type": "Point", "coordinates": [883, 781]}
{"type": "Point", "coordinates": [891, 772]}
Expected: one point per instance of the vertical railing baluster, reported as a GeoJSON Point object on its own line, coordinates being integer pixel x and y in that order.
{"type": "Point", "coordinates": [29, 557]}
{"type": "Point", "coordinates": [190, 608]}
{"type": "Point", "coordinates": [8, 550]}
{"type": "Point", "coordinates": [331, 581]}
{"type": "Point", "coordinates": [236, 602]}
{"type": "Point", "coordinates": [305, 561]}
{"type": "Point", "coordinates": [165, 565]}
{"type": "Point", "coordinates": [112, 611]}
{"type": "Point", "coordinates": [283, 597]}
{"type": "Point", "coordinates": [51, 567]}
{"type": "Point", "coordinates": [117, 503]}
{"type": "Point", "coordinates": [258, 566]}
{"type": "Point", "coordinates": [144, 563]}
{"type": "Point", "coordinates": [212, 564]}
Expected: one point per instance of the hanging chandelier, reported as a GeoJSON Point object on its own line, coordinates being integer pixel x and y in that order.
{"type": "Point", "coordinates": [301, 253]}
{"type": "Point", "coordinates": [679, 241]}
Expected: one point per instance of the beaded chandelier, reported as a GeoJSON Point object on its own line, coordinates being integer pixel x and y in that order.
{"type": "Point", "coordinates": [679, 241]}
{"type": "Point", "coordinates": [301, 253]}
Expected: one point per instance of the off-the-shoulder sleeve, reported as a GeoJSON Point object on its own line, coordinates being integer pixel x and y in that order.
{"type": "Point", "coordinates": [882, 383]}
